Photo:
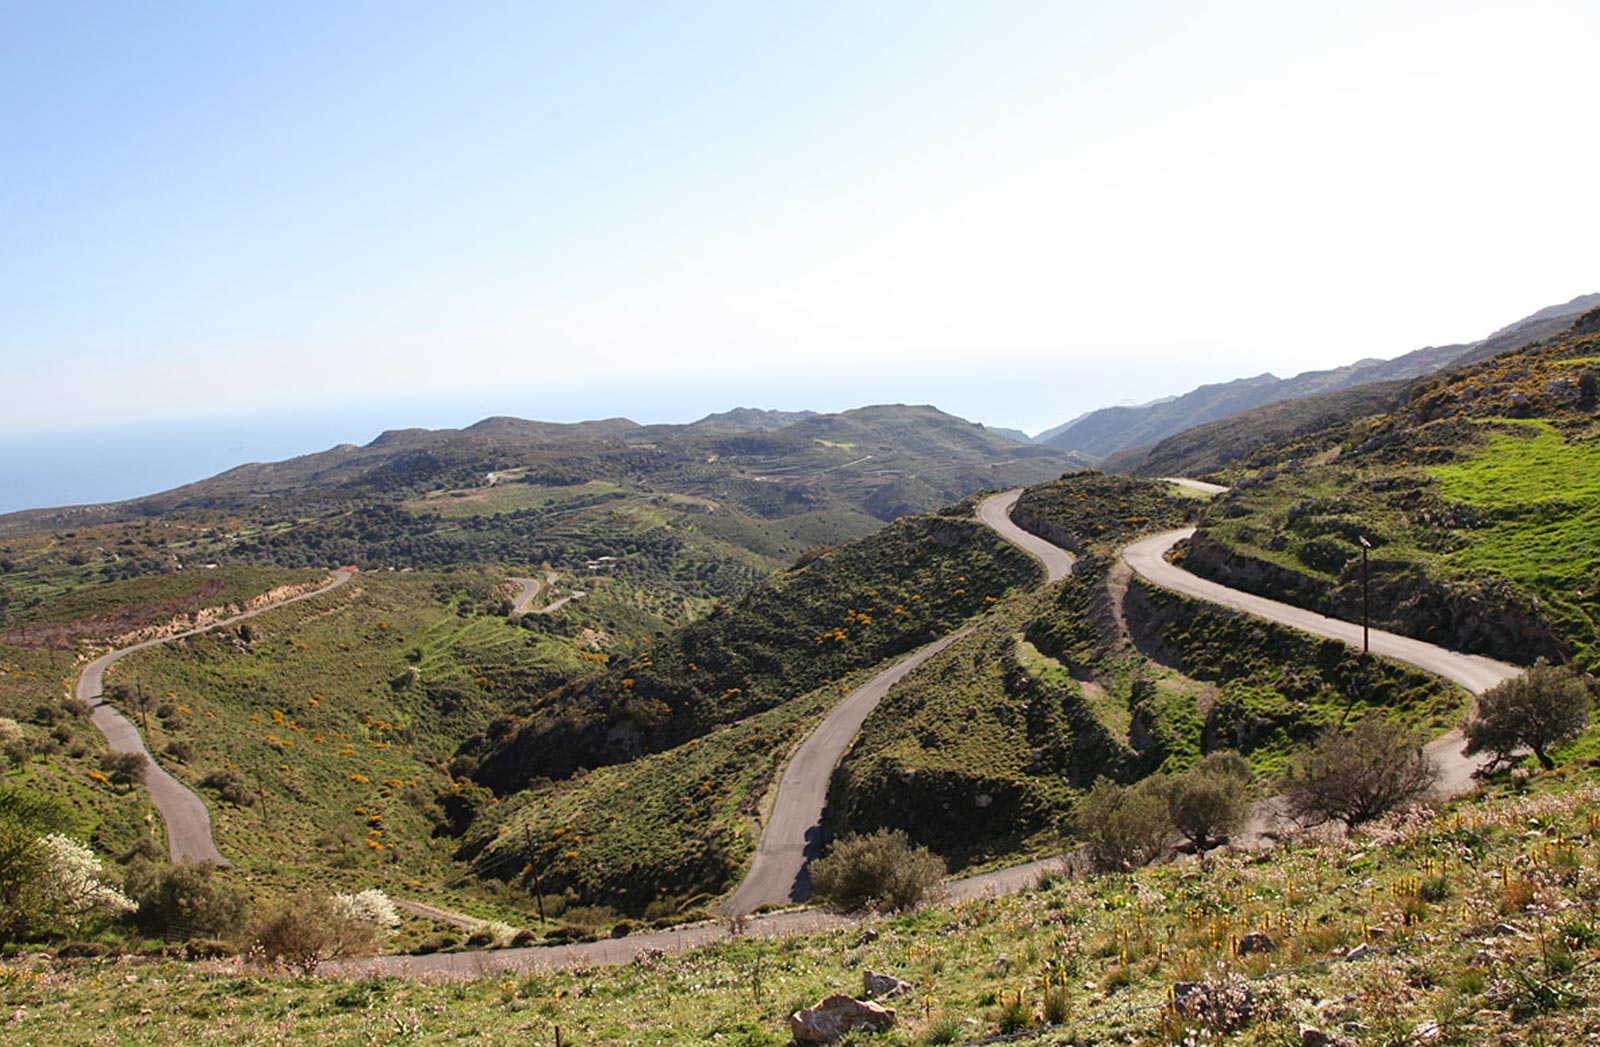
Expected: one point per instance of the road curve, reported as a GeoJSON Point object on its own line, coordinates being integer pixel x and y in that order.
{"type": "Point", "coordinates": [524, 601]}
{"type": "Point", "coordinates": [1194, 485]}
{"type": "Point", "coordinates": [187, 821]}
{"type": "Point", "coordinates": [995, 511]}
{"type": "Point", "coordinates": [1474, 672]}
{"type": "Point", "coordinates": [531, 588]}
{"type": "Point", "coordinates": [792, 837]}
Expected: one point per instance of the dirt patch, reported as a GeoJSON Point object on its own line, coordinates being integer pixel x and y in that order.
{"type": "Point", "coordinates": [206, 617]}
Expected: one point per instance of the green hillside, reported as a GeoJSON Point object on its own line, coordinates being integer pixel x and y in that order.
{"type": "Point", "coordinates": [686, 514]}
{"type": "Point", "coordinates": [833, 611]}
{"type": "Point", "coordinates": [1478, 498]}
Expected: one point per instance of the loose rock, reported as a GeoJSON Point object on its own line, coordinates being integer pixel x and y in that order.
{"type": "Point", "coordinates": [874, 984]}
{"type": "Point", "coordinates": [1255, 942]}
{"type": "Point", "coordinates": [837, 1015]}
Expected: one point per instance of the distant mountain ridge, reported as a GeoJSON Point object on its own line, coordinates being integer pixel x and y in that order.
{"type": "Point", "coordinates": [1107, 431]}
{"type": "Point", "coordinates": [752, 419]}
{"type": "Point", "coordinates": [1213, 446]}
{"type": "Point", "coordinates": [885, 460]}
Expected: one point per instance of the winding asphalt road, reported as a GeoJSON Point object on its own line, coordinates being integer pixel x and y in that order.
{"type": "Point", "coordinates": [792, 837]}
{"type": "Point", "coordinates": [995, 511]}
{"type": "Point", "coordinates": [531, 588]}
{"type": "Point", "coordinates": [187, 820]}
{"type": "Point", "coordinates": [1474, 672]}
{"type": "Point", "coordinates": [777, 873]}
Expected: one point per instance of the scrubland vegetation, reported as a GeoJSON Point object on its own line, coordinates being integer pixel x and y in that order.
{"type": "Point", "coordinates": [588, 773]}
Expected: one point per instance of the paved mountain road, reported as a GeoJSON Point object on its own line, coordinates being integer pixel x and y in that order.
{"type": "Point", "coordinates": [531, 588]}
{"type": "Point", "coordinates": [187, 820]}
{"type": "Point", "coordinates": [790, 845]}
{"type": "Point", "coordinates": [995, 511]}
{"type": "Point", "coordinates": [1474, 672]}
{"type": "Point", "coordinates": [792, 837]}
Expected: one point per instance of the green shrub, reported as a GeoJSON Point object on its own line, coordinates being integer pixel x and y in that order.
{"type": "Point", "coordinates": [312, 927]}
{"type": "Point", "coordinates": [230, 786]}
{"type": "Point", "coordinates": [1125, 827]}
{"type": "Point", "coordinates": [192, 898]}
{"type": "Point", "coordinates": [26, 818]}
{"type": "Point", "coordinates": [882, 870]}
{"type": "Point", "coordinates": [1212, 801]}
{"type": "Point", "coordinates": [128, 769]}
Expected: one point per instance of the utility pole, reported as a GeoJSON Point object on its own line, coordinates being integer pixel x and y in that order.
{"type": "Point", "coordinates": [533, 867]}
{"type": "Point", "coordinates": [1366, 600]}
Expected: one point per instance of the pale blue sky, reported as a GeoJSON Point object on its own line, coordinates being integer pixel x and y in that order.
{"type": "Point", "coordinates": [1017, 211]}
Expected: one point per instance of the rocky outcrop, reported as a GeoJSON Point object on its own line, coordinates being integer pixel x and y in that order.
{"type": "Point", "coordinates": [837, 1015]}
{"type": "Point", "coordinates": [879, 986]}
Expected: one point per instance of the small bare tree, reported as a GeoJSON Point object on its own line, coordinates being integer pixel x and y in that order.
{"type": "Point", "coordinates": [1360, 774]}
{"type": "Point", "coordinates": [310, 928]}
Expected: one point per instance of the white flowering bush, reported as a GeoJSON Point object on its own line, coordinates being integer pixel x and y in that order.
{"type": "Point", "coordinates": [72, 880]}
{"type": "Point", "coordinates": [13, 742]}
{"type": "Point", "coordinates": [369, 906]}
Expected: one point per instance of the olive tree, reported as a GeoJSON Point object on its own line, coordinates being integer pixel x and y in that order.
{"type": "Point", "coordinates": [883, 870]}
{"type": "Point", "coordinates": [1123, 827]}
{"type": "Point", "coordinates": [1211, 802]}
{"type": "Point", "coordinates": [1539, 709]}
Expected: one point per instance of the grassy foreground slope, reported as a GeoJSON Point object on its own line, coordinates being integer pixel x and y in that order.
{"type": "Point", "coordinates": [1472, 924]}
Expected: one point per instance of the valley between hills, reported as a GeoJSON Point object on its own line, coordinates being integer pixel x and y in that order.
{"type": "Point", "coordinates": [587, 806]}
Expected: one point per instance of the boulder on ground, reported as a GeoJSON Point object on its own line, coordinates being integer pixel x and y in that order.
{"type": "Point", "coordinates": [837, 1015]}
{"type": "Point", "coordinates": [1222, 1007]}
{"type": "Point", "coordinates": [1255, 942]}
{"type": "Point", "coordinates": [874, 985]}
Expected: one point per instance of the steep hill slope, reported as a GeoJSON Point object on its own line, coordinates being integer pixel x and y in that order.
{"type": "Point", "coordinates": [832, 612]}
{"type": "Point", "coordinates": [1114, 429]}
{"type": "Point", "coordinates": [1478, 497]}
{"type": "Point", "coordinates": [1216, 447]}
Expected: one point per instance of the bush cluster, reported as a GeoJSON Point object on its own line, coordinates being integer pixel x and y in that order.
{"type": "Point", "coordinates": [884, 871]}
